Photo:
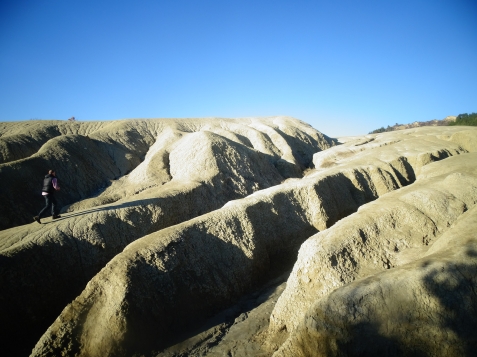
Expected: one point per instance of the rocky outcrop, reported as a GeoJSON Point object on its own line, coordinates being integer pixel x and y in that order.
{"type": "Point", "coordinates": [176, 277]}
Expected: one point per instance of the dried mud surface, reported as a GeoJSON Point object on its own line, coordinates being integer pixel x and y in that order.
{"type": "Point", "coordinates": [239, 237]}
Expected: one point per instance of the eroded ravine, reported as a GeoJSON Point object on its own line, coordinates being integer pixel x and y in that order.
{"type": "Point", "coordinates": [45, 267]}
{"type": "Point", "coordinates": [387, 233]}
{"type": "Point", "coordinates": [218, 256]}
{"type": "Point", "coordinates": [425, 307]}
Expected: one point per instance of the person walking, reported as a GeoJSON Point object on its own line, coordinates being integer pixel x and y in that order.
{"type": "Point", "coordinates": [50, 185]}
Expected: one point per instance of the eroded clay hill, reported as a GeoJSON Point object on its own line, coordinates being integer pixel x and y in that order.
{"type": "Point", "coordinates": [90, 156]}
{"type": "Point", "coordinates": [121, 181]}
{"type": "Point", "coordinates": [384, 223]}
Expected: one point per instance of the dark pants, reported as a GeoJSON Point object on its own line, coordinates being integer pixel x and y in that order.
{"type": "Point", "coordinates": [50, 200]}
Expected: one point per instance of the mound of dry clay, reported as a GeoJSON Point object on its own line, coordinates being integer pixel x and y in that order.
{"type": "Point", "coordinates": [168, 223]}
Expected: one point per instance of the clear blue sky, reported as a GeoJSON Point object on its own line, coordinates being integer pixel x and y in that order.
{"type": "Point", "coordinates": [345, 67]}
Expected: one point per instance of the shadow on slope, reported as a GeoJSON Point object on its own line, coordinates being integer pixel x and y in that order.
{"type": "Point", "coordinates": [389, 232]}
{"type": "Point", "coordinates": [70, 251]}
{"type": "Point", "coordinates": [318, 205]}
{"type": "Point", "coordinates": [83, 166]}
{"type": "Point", "coordinates": [278, 220]}
{"type": "Point", "coordinates": [383, 321]}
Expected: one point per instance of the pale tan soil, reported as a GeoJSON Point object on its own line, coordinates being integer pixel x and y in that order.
{"type": "Point", "coordinates": [181, 255]}
{"type": "Point", "coordinates": [141, 176]}
{"type": "Point", "coordinates": [90, 157]}
{"type": "Point", "coordinates": [424, 308]}
{"type": "Point", "coordinates": [394, 230]}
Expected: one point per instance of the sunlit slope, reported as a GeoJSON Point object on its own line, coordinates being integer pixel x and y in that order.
{"type": "Point", "coordinates": [389, 232]}
{"type": "Point", "coordinates": [177, 170]}
{"type": "Point", "coordinates": [396, 278]}
{"type": "Point", "coordinates": [175, 277]}
{"type": "Point", "coordinates": [90, 156]}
